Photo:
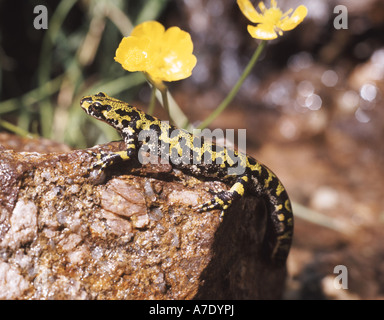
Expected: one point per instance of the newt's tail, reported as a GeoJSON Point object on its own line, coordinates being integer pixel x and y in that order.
{"type": "Point", "coordinates": [282, 225]}
{"type": "Point", "coordinates": [268, 185]}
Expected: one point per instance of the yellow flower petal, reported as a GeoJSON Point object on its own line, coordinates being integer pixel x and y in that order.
{"type": "Point", "coordinates": [164, 55]}
{"type": "Point", "coordinates": [249, 11]}
{"type": "Point", "coordinates": [179, 40]}
{"type": "Point", "coordinates": [263, 31]}
{"type": "Point", "coordinates": [272, 16]}
{"type": "Point", "coordinates": [132, 53]}
{"type": "Point", "coordinates": [176, 60]}
{"type": "Point", "coordinates": [148, 29]}
{"type": "Point", "coordinates": [295, 19]}
{"type": "Point", "coordinates": [262, 6]}
{"type": "Point", "coordinates": [271, 22]}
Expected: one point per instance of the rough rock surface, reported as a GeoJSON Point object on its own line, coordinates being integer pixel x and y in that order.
{"type": "Point", "coordinates": [129, 233]}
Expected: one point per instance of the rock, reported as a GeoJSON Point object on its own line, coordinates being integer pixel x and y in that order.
{"type": "Point", "coordinates": [129, 233]}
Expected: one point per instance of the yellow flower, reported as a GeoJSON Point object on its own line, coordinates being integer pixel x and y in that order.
{"type": "Point", "coordinates": [271, 22]}
{"type": "Point", "coordinates": [164, 55]}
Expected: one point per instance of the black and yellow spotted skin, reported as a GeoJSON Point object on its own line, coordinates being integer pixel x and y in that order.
{"type": "Point", "coordinates": [256, 179]}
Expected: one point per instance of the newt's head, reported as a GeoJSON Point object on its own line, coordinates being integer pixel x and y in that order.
{"type": "Point", "coordinates": [110, 110]}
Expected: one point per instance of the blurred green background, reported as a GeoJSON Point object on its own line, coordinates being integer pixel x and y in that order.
{"type": "Point", "coordinates": [44, 73]}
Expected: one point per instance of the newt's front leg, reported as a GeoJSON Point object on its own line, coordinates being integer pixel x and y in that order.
{"type": "Point", "coordinates": [106, 159]}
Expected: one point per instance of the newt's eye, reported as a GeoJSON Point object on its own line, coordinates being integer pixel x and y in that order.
{"type": "Point", "coordinates": [97, 105]}
{"type": "Point", "coordinates": [95, 108]}
{"type": "Point", "coordinates": [100, 94]}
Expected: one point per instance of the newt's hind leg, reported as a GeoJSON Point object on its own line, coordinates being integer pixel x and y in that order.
{"type": "Point", "coordinates": [224, 199]}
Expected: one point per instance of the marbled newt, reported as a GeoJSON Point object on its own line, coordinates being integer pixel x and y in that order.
{"type": "Point", "coordinates": [256, 177]}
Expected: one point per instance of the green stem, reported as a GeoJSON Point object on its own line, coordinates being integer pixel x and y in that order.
{"type": "Point", "coordinates": [15, 129]}
{"type": "Point", "coordinates": [224, 104]}
{"type": "Point", "coordinates": [152, 102]}
{"type": "Point", "coordinates": [33, 96]}
{"type": "Point", "coordinates": [318, 218]}
{"type": "Point", "coordinates": [175, 114]}
{"type": "Point", "coordinates": [164, 97]}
